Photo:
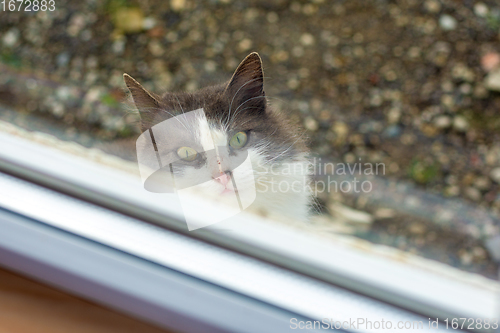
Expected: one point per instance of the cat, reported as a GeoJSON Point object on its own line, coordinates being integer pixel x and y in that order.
{"type": "Point", "coordinates": [239, 121]}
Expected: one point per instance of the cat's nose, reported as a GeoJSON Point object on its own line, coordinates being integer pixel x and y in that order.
{"type": "Point", "coordinates": [224, 179]}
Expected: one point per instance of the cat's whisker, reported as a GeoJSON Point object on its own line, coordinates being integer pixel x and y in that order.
{"type": "Point", "coordinates": [236, 93]}
{"type": "Point", "coordinates": [177, 98]}
{"type": "Point", "coordinates": [234, 116]}
{"type": "Point", "coordinates": [286, 150]}
{"type": "Point", "coordinates": [267, 98]}
{"type": "Point", "coordinates": [236, 111]}
{"type": "Point", "coordinates": [171, 114]}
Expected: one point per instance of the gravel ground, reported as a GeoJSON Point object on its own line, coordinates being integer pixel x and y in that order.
{"type": "Point", "coordinates": [411, 84]}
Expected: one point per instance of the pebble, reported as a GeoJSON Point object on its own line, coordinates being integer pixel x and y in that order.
{"type": "Point", "coordinates": [178, 5]}
{"type": "Point", "coordinates": [11, 37]}
{"type": "Point", "coordinates": [465, 258]}
{"type": "Point", "coordinates": [62, 59]}
{"type": "Point", "coordinates": [490, 61]}
{"type": "Point", "coordinates": [148, 23]}
{"type": "Point", "coordinates": [307, 39]}
{"type": "Point", "coordinates": [448, 101]}
{"type": "Point", "coordinates": [462, 72]}
{"type": "Point", "coordinates": [384, 213]}
{"type": "Point", "coordinates": [392, 131]}
{"type": "Point", "coordinates": [245, 45]}
{"type": "Point", "coordinates": [417, 228]}
{"type": "Point", "coordinates": [447, 22]}
{"type": "Point", "coordinates": [394, 115]}
{"type": "Point", "coordinates": [482, 183]}
{"type": "Point", "coordinates": [118, 46]}
{"type": "Point", "coordinates": [465, 89]}
{"type": "Point", "coordinates": [492, 80]}
{"type": "Point", "coordinates": [452, 191]}
{"type": "Point", "coordinates": [129, 20]}
{"type": "Point", "coordinates": [432, 6]}
{"type": "Point", "coordinates": [480, 9]}
{"type": "Point", "coordinates": [480, 91]}
{"type": "Point", "coordinates": [341, 131]}
{"type": "Point", "coordinates": [155, 48]}
{"type": "Point", "coordinates": [442, 122]}
{"type": "Point", "coordinates": [495, 175]}
{"type": "Point", "coordinates": [460, 124]}
{"type": "Point", "coordinates": [473, 193]}
{"type": "Point", "coordinates": [311, 124]}
{"type": "Point", "coordinates": [76, 24]}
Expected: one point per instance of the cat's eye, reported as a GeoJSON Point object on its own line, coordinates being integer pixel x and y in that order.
{"type": "Point", "coordinates": [187, 153]}
{"type": "Point", "coordinates": [238, 140]}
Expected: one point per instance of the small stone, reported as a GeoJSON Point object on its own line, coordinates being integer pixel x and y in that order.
{"type": "Point", "coordinates": [155, 48]}
{"type": "Point", "coordinates": [452, 191]}
{"type": "Point", "coordinates": [392, 131]}
{"type": "Point", "coordinates": [460, 124]}
{"type": "Point", "coordinates": [280, 56]}
{"type": "Point", "coordinates": [439, 53]}
{"type": "Point", "coordinates": [479, 252]}
{"type": "Point", "coordinates": [390, 75]}
{"type": "Point", "coordinates": [417, 228]}
{"type": "Point", "coordinates": [482, 183]}
{"type": "Point", "coordinates": [492, 80]}
{"type": "Point", "coordinates": [465, 89]}
{"type": "Point", "coordinates": [118, 46]}
{"type": "Point", "coordinates": [385, 213]}
{"type": "Point", "coordinates": [245, 45]}
{"type": "Point", "coordinates": [473, 193]}
{"type": "Point", "coordinates": [76, 24]}
{"type": "Point", "coordinates": [394, 115]}
{"type": "Point", "coordinates": [210, 66]}
{"type": "Point", "coordinates": [11, 37]}
{"type": "Point", "coordinates": [447, 22]}
{"type": "Point", "coordinates": [272, 17]}
{"type": "Point", "coordinates": [442, 122]}
{"type": "Point", "coordinates": [63, 93]}
{"type": "Point", "coordinates": [414, 52]}
{"type": "Point", "coordinates": [293, 83]}
{"type": "Point", "coordinates": [480, 91]}
{"type": "Point", "coordinates": [341, 131]}
{"type": "Point", "coordinates": [129, 20]}
{"type": "Point", "coordinates": [490, 61]}
{"type": "Point", "coordinates": [148, 23]}
{"type": "Point", "coordinates": [465, 258]}
{"type": "Point", "coordinates": [495, 175]}
{"type": "Point", "coordinates": [307, 39]}
{"type": "Point", "coordinates": [57, 109]}
{"type": "Point", "coordinates": [432, 6]}
{"type": "Point", "coordinates": [311, 124]}
{"type": "Point", "coordinates": [448, 101]}
{"type": "Point", "coordinates": [462, 72]}
{"type": "Point", "coordinates": [177, 5]}
{"type": "Point", "coordinates": [480, 9]}
{"type": "Point", "coordinates": [62, 59]}
{"type": "Point", "coordinates": [86, 35]}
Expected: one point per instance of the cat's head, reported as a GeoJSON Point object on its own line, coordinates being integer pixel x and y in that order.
{"type": "Point", "coordinates": [216, 128]}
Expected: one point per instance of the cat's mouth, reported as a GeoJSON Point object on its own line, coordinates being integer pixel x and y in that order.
{"type": "Point", "coordinates": [228, 191]}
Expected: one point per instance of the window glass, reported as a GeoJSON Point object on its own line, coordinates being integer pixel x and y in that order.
{"type": "Point", "coordinates": [397, 103]}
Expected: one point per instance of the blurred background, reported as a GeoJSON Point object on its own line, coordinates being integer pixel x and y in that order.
{"type": "Point", "coordinates": [411, 84]}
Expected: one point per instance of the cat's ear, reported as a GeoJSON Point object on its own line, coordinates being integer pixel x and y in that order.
{"type": "Point", "coordinates": [145, 102]}
{"type": "Point", "coordinates": [247, 83]}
